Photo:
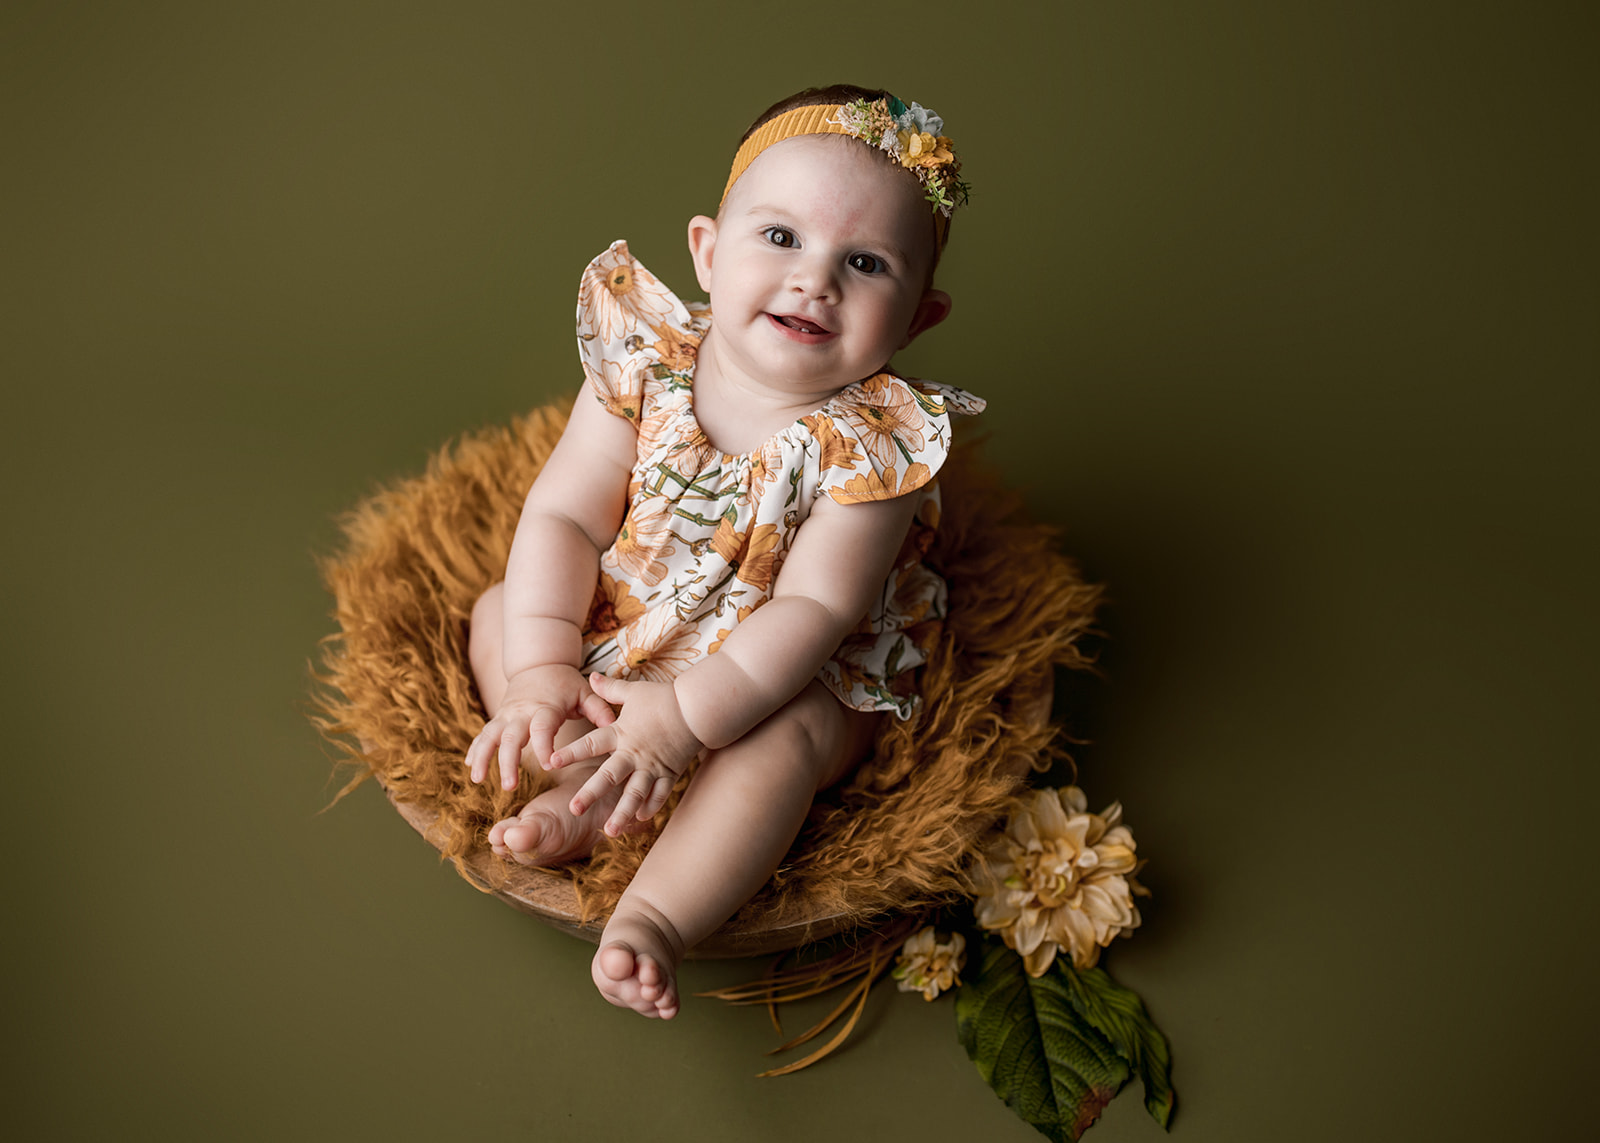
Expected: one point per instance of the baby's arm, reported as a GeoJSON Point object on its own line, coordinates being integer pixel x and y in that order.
{"type": "Point", "coordinates": [841, 557]}
{"type": "Point", "coordinates": [571, 515]}
{"type": "Point", "coordinates": [840, 560]}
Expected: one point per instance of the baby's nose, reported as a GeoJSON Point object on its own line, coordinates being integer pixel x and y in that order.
{"type": "Point", "coordinates": [815, 279]}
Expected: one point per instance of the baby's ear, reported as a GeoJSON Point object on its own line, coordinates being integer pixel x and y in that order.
{"type": "Point", "coordinates": [702, 241]}
{"type": "Point", "coordinates": [931, 310]}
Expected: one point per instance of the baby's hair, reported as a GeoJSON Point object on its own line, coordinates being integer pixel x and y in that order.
{"type": "Point", "coordinates": [823, 96]}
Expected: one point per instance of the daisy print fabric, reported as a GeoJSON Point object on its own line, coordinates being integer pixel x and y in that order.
{"type": "Point", "coordinates": [706, 532]}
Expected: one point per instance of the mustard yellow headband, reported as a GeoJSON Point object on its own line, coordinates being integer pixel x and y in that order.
{"type": "Point", "coordinates": [909, 135]}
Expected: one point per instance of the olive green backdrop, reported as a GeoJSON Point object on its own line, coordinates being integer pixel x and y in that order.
{"type": "Point", "coordinates": [1287, 318]}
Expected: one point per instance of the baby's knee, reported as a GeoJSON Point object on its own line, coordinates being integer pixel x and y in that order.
{"type": "Point", "coordinates": [808, 733]}
{"type": "Point", "coordinates": [484, 631]}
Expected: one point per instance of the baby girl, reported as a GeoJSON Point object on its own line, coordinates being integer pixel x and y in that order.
{"type": "Point", "coordinates": [721, 558]}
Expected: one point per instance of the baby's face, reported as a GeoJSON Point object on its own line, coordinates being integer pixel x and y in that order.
{"type": "Point", "coordinates": [817, 267]}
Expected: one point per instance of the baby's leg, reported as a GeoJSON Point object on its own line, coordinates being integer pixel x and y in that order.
{"type": "Point", "coordinates": [544, 831]}
{"type": "Point", "coordinates": [736, 820]}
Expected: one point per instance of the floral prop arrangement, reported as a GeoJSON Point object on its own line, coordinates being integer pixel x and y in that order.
{"type": "Point", "coordinates": [911, 136]}
{"type": "Point", "coordinates": [1059, 879]}
{"type": "Point", "coordinates": [1053, 1035]}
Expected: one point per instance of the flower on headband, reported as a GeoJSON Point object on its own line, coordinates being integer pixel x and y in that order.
{"type": "Point", "coordinates": [911, 136]}
{"type": "Point", "coordinates": [919, 119]}
{"type": "Point", "coordinates": [925, 150]}
{"type": "Point", "coordinates": [869, 122]}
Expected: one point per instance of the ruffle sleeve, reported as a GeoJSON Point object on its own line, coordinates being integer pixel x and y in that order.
{"type": "Point", "coordinates": [630, 326]}
{"type": "Point", "coordinates": [885, 437]}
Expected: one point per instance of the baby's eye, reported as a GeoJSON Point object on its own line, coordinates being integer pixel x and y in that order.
{"type": "Point", "coordinates": [867, 263]}
{"type": "Point", "coordinates": [781, 236]}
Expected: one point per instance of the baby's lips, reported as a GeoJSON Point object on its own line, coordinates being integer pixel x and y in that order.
{"type": "Point", "coordinates": [803, 324]}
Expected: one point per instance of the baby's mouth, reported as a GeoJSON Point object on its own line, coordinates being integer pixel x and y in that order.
{"type": "Point", "coordinates": [799, 324]}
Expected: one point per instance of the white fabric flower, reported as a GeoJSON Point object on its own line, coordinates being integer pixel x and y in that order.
{"type": "Point", "coordinates": [929, 967]}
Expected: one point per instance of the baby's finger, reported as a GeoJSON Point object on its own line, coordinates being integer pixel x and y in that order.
{"type": "Point", "coordinates": [614, 691]}
{"type": "Point", "coordinates": [478, 753]}
{"type": "Point", "coordinates": [612, 772]}
{"type": "Point", "coordinates": [512, 740]}
{"type": "Point", "coordinates": [659, 793]}
{"type": "Point", "coordinates": [542, 729]}
{"type": "Point", "coordinates": [596, 709]}
{"type": "Point", "coordinates": [639, 787]}
{"type": "Point", "coordinates": [600, 741]}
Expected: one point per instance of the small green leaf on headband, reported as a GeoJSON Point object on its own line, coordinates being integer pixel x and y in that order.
{"type": "Point", "coordinates": [896, 108]}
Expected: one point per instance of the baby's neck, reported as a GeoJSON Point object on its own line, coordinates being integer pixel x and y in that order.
{"type": "Point", "coordinates": [739, 414]}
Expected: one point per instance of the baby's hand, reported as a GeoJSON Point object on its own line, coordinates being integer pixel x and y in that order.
{"type": "Point", "coordinates": [537, 702]}
{"type": "Point", "coordinates": [649, 744]}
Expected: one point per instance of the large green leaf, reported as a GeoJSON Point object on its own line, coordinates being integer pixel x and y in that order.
{"type": "Point", "coordinates": [1118, 1014]}
{"type": "Point", "coordinates": [1029, 1042]}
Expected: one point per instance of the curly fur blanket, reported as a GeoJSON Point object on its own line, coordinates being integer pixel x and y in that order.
{"type": "Point", "coordinates": [398, 697]}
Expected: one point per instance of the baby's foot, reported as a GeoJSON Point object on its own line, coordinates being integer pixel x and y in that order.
{"type": "Point", "coordinates": [637, 965]}
{"type": "Point", "coordinates": [547, 832]}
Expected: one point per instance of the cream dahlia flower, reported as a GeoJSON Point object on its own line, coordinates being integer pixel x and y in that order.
{"type": "Point", "coordinates": [928, 967]}
{"type": "Point", "coordinates": [1059, 877]}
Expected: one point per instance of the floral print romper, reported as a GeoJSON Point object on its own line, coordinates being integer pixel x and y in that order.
{"type": "Point", "coordinates": [706, 532]}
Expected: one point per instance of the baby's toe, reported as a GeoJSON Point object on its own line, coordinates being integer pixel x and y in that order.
{"type": "Point", "coordinates": [667, 1001]}
{"type": "Point", "coordinates": [497, 832]}
{"type": "Point", "coordinates": [616, 960]}
{"type": "Point", "coordinates": [656, 989]}
{"type": "Point", "coordinates": [522, 836]}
